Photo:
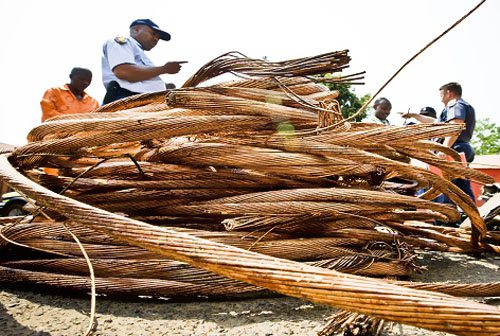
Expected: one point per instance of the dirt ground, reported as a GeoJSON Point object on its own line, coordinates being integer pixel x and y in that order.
{"type": "Point", "coordinates": [25, 312]}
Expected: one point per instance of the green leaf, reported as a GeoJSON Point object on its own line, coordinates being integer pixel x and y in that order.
{"type": "Point", "coordinates": [486, 138]}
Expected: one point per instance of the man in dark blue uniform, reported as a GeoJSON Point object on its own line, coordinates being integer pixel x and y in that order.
{"type": "Point", "coordinates": [457, 110]}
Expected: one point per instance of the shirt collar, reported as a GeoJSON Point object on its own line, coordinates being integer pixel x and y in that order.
{"type": "Point", "coordinates": [137, 43]}
{"type": "Point", "coordinates": [451, 102]}
{"type": "Point", "coordinates": [66, 88]}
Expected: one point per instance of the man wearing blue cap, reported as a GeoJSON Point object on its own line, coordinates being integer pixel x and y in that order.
{"type": "Point", "coordinates": [126, 70]}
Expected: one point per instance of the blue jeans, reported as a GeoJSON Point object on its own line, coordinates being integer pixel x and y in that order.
{"type": "Point", "coordinates": [464, 185]}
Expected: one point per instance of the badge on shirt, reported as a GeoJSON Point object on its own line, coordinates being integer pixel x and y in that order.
{"type": "Point", "coordinates": [121, 39]}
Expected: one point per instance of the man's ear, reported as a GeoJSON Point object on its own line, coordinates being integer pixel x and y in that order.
{"type": "Point", "coordinates": [134, 30]}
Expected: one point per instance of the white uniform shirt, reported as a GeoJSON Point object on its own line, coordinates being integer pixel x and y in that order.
{"type": "Point", "coordinates": [130, 52]}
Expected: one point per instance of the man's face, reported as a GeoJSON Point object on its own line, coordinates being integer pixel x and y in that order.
{"type": "Point", "coordinates": [146, 36]}
{"type": "Point", "coordinates": [383, 110]}
{"type": "Point", "coordinates": [80, 80]}
{"type": "Point", "coordinates": [445, 96]}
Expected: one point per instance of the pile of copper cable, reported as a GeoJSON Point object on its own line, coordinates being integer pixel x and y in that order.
{"type": "Point", "coordinates": [253, 184]}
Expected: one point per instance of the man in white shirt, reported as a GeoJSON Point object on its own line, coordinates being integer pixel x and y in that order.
{"type": "Point", "coordinates": [126, 70]}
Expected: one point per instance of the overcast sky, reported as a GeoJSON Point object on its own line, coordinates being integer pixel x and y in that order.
{"type": "Point", "coordinates": [43, 40]}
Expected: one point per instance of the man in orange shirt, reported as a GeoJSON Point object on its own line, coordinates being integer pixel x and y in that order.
{"type": "Point", "coordinates": [71, 98]}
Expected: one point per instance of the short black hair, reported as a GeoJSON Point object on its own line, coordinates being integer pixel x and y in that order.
{"type": "Point", "coordinates": [381, 100]}
{"type": "Point", "coordinates": [452, 87]}
{"type": "Point", "coordinates": [77, 70]}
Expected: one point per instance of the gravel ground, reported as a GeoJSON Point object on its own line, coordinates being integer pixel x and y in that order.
{"type": "Point", "coordinates": [25, 312]}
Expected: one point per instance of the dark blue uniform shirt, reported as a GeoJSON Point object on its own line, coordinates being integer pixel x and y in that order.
{"type": "Point", "coordinates": [462, 110]}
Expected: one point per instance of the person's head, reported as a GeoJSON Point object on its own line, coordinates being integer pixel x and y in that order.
{"type": "Point", "coordinates": [428, 112]}
{"type": "Point", "coordinates": [382, 108]}
{"type": "Point", "coordinates": [147, 33]}
{"type": "Point", "coordinates": [450, 91]}
{"type": "Point", "coordinates": [80, 79]}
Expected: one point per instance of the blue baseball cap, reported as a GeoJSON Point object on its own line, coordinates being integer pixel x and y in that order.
{"type": "Point", "coordinates": [147, 22]}
{"type": "Point", "coordinates": [428, 111]}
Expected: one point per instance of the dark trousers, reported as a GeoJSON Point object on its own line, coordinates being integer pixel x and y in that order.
{"type": "Point", "coordinates": [115, 92]}
{"type": "Point", "coordinates": [464, 185]}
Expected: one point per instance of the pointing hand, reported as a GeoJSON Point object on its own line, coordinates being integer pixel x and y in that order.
{"type": "Point", "coordinates": [173, 67]}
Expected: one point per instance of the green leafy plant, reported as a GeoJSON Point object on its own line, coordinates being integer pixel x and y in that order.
{"type": "Point", "coordinates": [486, 139]}
{"type": "Point", "coordinates": [349, 101]}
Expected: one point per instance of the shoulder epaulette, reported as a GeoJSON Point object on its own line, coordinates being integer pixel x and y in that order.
{"type": "Point", "coordinates": [121, 39]}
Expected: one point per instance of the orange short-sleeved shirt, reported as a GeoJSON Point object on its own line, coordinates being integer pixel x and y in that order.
{"type": "Point", "coordinates": [57, 101]}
